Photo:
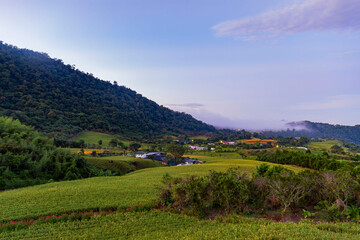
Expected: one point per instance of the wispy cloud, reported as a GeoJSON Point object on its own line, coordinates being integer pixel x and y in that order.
{"type": "Point", "coordinates": [311, 15]}
{"type": "Point", "coordinates": [347, 53]}
{"type": "Point", "coordinates": [187, 105]}
{"type": "Point", "coordinates": [335, 102]}
{"type": "Point", "coordinates": [200, 111]}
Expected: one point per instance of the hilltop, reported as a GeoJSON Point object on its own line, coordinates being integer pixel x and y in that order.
{"type": "Point", "coordinates": [59, 100]}
{"type": "Point", "coordinates": [319, 130]}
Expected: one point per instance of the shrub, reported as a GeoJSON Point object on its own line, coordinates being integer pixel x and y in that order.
{"type": "Point", "coordinates": [274, 188]}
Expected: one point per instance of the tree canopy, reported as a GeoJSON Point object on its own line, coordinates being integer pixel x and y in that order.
{"type": "Point", "coordinates": [26, 158]}
{"type": "Point", "coordinates": [60, 100]}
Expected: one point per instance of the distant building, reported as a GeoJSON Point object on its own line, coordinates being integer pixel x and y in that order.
{"type": "Point", "coordinates": [189, 161]}
{"type": "Point", "coordinates": [196, 147]}
{"type": "Point", "coordinates": [228, 142]}
{"type": "Point", "coordinates": [302, 148]}
{"type": "Point", "coordinates": [148, 155]}
{"type": "Point", "coordinates": [159, 158]}
{"type": "Point", "coordinates": [139, 155]}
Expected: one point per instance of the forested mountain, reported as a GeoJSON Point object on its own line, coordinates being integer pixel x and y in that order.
{"type": "Point", "coordinates": [59, 100]}
{"type": "Point", "coordinates": [319, 130]}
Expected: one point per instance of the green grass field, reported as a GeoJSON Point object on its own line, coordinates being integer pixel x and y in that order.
{"type": "Point", "coordinates": [102, 192]}
{"type": "Point", "coordinates": [122, 163]}
{"type": "Point", "coordinates": [324, 146]}
{"type": "Point", "coordinates": [139, 189]}
{"type": "Point", "coordinates": [162, 225]}
{"type": "Point", "coordinates": [199, 138]}
{"type": "Point", "coordinates": [91, 138]}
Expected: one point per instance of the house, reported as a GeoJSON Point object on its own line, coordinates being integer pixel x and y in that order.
{"type": "Point", "coordinates": [189, 161]}
{"type": "Point", "coordinates": [159, 158]}
{"type": "Point", "coordinates": [196, 147]}
{"type": "Point", "coordinates": [228, 142]}
{"type": "Point", "coordinates": [148, 155]}
{"type": "Point", "coordinates": [140, 155]}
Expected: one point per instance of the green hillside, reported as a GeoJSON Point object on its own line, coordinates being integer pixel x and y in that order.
{"type": "Point", "coordinates": [138, 191]}
{"type": "Point", "coordinates": [163, 225]}
{"type": "Point", "coordinates": [61, 101]}
{"type": "Point", "coordinates": [319, 130]}
{"type": "Point", "coordinates": [122, 164]}
{"type": "Point", "coordinates": [92, 138]}
{"type": "Point", "coordinates": [137, 188]}
{"type": "Point", "coordinates": [324, 146]}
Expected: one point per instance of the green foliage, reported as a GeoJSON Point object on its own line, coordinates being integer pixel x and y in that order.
{"type": "Point", "coordinates": [134, 146]}
{"type": "Point", "coordinates": [302, 159]}
{"type": "Point", "coordinates": [122, 165]}
{"type": "Point", "coordinates": [176, 150]}
{"type": "Point", "coordinates": [307, 214]}
{"type": "Point", "coordinates": [352, 212]}
{"type": "Point", "coordinates": [61, 101]}
{"type": "Point", "coordinates": [270, 188]}
{"type": "Point", "coordinates": [164, 225]}
{"type": "Point", "coordinates": [218, 190]}
{"type": "Point", "coordinates": [26, 158]}
{"type": "Point", "coordinates": [131, 189]}
{"type": "Point", "coordinates": [337, 149]}
{"type": "Point", "coordinates": [292, 141]}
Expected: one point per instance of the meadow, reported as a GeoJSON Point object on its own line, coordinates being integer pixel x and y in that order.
{"type": "Point", "coordinates": [158, 224]}
{"type": "Point", "coordinates": [92, 138]}
{"type": "Point", "coordinates": [138, 189]}
{"type": "Point", "coordinates": [123, 164]}
{"type": "Point", "coordinates": [325, 146]}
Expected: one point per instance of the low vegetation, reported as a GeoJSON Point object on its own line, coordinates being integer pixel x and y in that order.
{"type": "Point", "coordinates": [334, 195]}
{"type": "Point", "coordinates": [163, 225]}
{"type": "Point", "coordinates": [305, 159]}
{"type": "Point", "coordinates": [120, 165]}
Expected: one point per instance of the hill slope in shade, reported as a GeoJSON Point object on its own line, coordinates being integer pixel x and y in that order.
{"type": "Point", "coordinates": [60, 100]}
{"type": "Point", "coordinates": [320, 130]}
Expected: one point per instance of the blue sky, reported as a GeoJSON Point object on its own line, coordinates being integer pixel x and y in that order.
{"type": "Point", "coordinates": [250, 64]}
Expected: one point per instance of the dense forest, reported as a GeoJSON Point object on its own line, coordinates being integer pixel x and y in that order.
{"type": "Point", "coordinates": [59, 100]}
{"type": "Point", "coordinates": [319, 130]}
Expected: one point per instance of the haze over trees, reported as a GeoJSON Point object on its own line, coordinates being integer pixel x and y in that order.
{"type": "Point", "coordinates": [319, 130]}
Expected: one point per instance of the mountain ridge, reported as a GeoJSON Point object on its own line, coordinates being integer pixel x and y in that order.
{"type": "Point", "coordinates": [59, 100]}
{"type": "Point", "coordinates": [319, 130]}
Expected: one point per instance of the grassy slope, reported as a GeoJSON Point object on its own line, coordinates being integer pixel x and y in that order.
{"type": "Point", "coordinates": [324, 146]}
{"type": "Point", "coordinates": [136, 189]}
{"type": "Point", "coordinates": [90, 137]}
{"type": "Point", "coordinates": [122, 163]}
{"type": "Point", "coordinates": [132, 189]}
{"type": "Point", "coordinates": [162, 225]}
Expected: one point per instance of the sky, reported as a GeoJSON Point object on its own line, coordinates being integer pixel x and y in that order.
{"type": "Point", "coordinates": [249, 64]}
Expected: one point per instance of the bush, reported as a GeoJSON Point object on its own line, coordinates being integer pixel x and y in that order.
{"type": "Point", "coordinates": [272, 188]}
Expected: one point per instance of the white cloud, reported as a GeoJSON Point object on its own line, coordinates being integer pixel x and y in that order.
{"type": "Point", "coordinates": [187, 105]}
{"type": "Point", "coordinates": [311, 15]}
